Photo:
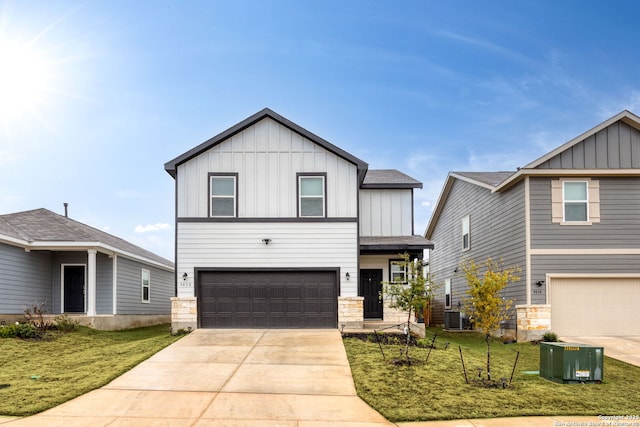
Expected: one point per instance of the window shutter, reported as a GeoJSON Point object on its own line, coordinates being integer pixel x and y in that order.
{"type": "Point", "coordinates": [594, 201]}
{"type": "Point", "coordinates": [556, 201]}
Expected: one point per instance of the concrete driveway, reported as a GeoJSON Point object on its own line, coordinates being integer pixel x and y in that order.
{"type": "Point", "coordinates": [626, 349]}
{"type": "Point", "coordinates": [235, 378]}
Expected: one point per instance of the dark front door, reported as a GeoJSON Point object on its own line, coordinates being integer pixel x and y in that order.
{"type": "Point", "coordinates": [371, 289]}
{"type": "Point", "coordinates": [73, 288]}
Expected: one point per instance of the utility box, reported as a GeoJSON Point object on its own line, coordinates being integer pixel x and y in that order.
{"type": "Point", "coordinates": [452, 320]}
{"type": "Point", "coordinates": [569, 363]}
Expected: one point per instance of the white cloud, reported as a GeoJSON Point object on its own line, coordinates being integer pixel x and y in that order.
{"type": "Point", "coordinates": [152, 227]}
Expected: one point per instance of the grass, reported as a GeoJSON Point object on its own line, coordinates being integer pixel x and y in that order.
{"type": "Point", "coordinates": [438, 391]}
{"type": "Point", "coordinates": [38, 375]}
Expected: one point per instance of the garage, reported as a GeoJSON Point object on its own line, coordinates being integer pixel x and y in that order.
{"type": "Point", "coordinates": [595, 306]}
{"type": "Point", "coordinates": [268, 299]}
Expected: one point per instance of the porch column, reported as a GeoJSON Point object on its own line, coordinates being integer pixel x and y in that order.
{"type": "Point", "coordinates": [91, 285]}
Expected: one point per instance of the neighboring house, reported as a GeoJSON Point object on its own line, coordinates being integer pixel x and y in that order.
{"type": "Point", "coordinates": [276, 227]}
{"type": "Point", "coordinates": [570, 220]}
{"type": "Point", "coordinates": [99, 279]}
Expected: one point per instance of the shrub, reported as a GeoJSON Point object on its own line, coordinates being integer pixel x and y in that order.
{"type": "Point", "coordinates": [8, 331]}
{"type": "Point", "coordinates": [19, 330]}
{"type": "Point", "coordinates": [35, 316]}
{"type": "Point", "coordinates": [550, 337]}
{"type": "Point", "coordinates": [66, 324]}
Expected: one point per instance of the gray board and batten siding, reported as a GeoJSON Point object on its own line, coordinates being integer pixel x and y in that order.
{"type": "Point", "coordinates": [24, 276]}
{"type": "Point", "coordinates": [497, 230]}
{"type": "Point", "coordinates": [614, 147]}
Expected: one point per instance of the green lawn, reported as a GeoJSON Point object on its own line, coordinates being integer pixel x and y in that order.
{"type": "Point", "coordinates": [38, 375]}
{"type": "Point", "coordinates": [438, 389]}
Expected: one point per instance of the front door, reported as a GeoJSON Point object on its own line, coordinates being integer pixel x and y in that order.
{"type": "Point", "coordinates": [371, 290]}
{"type": "Point", "coordinates": [73, 277]}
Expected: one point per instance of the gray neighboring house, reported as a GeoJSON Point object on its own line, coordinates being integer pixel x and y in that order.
{"type": "Point", "coordinates": [277, 227]}
{"type": "Point", "coordinates": [570, 220]}
{"type": "Point", "coordinates": [101, 280]}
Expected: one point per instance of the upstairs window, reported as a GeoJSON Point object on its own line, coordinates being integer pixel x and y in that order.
{"type": "Point", "coordinates": [223, 189]}
{"type": "Point", "coordinates": [146, 285]}
{"type": "Point", "coordinates": [575, 199]}
{"type": "Point", "coordinates": [311, 196]}
{"type": "Point", "coordinates": [466, 243]}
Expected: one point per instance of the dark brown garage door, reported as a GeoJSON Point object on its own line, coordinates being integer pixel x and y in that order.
{"type": "Point", "coordinates": [267, 299]}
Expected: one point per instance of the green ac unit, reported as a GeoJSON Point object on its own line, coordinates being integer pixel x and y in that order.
{"type": "Point", "coordinates": [569, 363]}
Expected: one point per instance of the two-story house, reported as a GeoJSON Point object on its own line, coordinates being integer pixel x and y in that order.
{"type": "Point", "coordinates": [276, 227]}
{"type": "Point", "coordinates": [570, 220]}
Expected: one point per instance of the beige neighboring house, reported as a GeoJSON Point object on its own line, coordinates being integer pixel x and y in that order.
{"type": "Point", "coordinates": [99, 279]}
{"type": "Point", "coordinates": [570, 220]}
{"type": "Point", "coordinates": [277, 227]}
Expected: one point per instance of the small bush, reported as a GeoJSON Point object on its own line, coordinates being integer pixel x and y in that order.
{"type": "Point", "coordinates": [19, 330]}
{"type": "Point", "coordinates": [66, 324]}
{"type": "Point", "coordinates": [550, 337]}
{"type": "Point", "coordinates": [27, 330]}
{"type": "Point", "coordinates": [8, 331]}
{"type": "Point", "coordinates": [35, 316]}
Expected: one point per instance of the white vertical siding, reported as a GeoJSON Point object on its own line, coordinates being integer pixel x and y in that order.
{"type": "Point", "coordinates": [267, 157]}
{"type": "Point", "coordinates": [293, 245]}
{"type": "Point", "coordinates": [386, 213]}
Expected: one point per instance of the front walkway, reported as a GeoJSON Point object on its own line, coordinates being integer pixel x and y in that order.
{"type": "Point", "coordinates": [289, 378]}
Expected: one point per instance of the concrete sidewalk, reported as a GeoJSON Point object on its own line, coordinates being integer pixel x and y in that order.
{"type": "Point", "coordinates": [289, 378]}
{"type": "Point", "coordinates": [554, 421]}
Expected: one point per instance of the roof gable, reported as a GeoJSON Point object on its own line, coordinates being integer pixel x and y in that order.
{"type": "Point", "coordinates": [41, 226]}
{"type": "Point", "coordinates": [613, 144]}
{"type": "Point", "coordinates": [171, 166]}
{"type": "Point", "coordinates": [612, 147]}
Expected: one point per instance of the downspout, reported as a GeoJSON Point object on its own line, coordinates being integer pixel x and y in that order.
{"type": "Point", "coordinates": [527, 230]}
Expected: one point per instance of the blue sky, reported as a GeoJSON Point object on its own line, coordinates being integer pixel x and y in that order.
{"type": "Point", "coordinates": [118, 88]}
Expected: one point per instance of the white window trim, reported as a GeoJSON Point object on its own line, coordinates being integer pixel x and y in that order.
{"type": "Point", "coordinates": [466, 219]}
{"type": "Point", "coordinates": [399, 264]}
{"type": "Point", "coordinates": [142, 286]}
{"type": "Point", "coordinates": [447, 287]}
{"type": "Point", "coordinates": [323, 197]}
{"type": "Point", "coordinates": [234, 197]}
{"type": "Point", "coordinates": [585, 201]}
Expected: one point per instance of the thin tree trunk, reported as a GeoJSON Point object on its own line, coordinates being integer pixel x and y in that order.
{"type": "Point", "coordinates": [406, 350]}
{"type": "Point", "coordinates": [488, 339]}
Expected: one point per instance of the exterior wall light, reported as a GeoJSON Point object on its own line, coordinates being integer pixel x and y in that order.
{"type": "Point", "coordinates": [348, 276]}
{"type": "Point", "coordinates": [184, 276]}
{"type": "Point", "coordinates": [266, 241]}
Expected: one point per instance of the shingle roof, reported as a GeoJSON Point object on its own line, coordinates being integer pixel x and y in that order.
{"type": "Point", "coordinates": [491, 178]}
{"type": "Point", "coordinates": [389, 178]}
{"type": "Point", "coordinates": [395, 243]}
{"type": "Point", "coordinates": [42, 225]}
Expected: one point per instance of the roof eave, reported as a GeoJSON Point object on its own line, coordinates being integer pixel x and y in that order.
{"type": "Point", "coordinates": [451, 177]}
{"type": "Point", "coordinates": [396, 247]}
{"type": "Point", "coordinates": [406, 186]}
{"type": "Point", "coordinates": [70, 246]}
{"type": "Point", "coordinates": [172, 165]}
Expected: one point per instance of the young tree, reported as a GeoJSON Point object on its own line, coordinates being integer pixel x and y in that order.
{"type": "Point", "coordinates": [484, 304]}
{"type": "Point", "coordinates": [411, 296]}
